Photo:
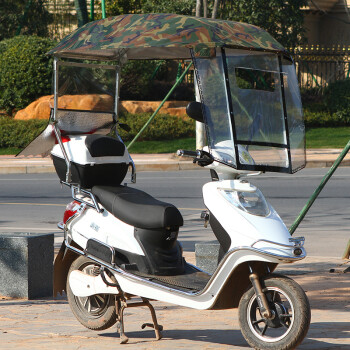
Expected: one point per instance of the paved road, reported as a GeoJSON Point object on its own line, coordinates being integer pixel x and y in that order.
{"type": "Point", "coordinates": [35, 203]}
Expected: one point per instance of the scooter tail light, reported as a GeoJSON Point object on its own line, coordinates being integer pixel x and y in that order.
{"type": "Point", "coordinates": [71, 209]}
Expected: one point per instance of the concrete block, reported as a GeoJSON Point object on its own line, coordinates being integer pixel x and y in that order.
{"type": "Point", "coordinates": [26, 265]}
{"type": "Point", "coordinates": [207, 256]}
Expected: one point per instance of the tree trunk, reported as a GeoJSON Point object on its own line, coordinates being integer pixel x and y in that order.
{"type": "Point", "coordinates": [215, 9]}
{"type": "Point", "coordinates": [205, 8]}
{"type": "Point", "coordinates": [82, 14]}
{"type": "Point", "coordinates": [198, 8]}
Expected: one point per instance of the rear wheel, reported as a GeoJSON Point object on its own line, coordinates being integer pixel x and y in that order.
{"type": "Point", "coordinates": [96, 312]}
{"type": "Point", "coordinates": [291, 315]}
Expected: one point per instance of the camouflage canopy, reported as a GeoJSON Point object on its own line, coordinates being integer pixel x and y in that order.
{"type": "Point", "coordinates": [160, 36]}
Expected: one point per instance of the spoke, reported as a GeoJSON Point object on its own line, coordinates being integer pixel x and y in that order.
{"type": "Point", "coordinates": [286, 315]}
{"type": "Point", "coordinates": [89, 305]}
{"type": "Point", "coordinates": [274, 295]}
{"type": "Point", "coordinates": [258, 321]}
{"type": "Point", "coordinates": [85, 301]}
{"type": "Point", "coordinates": [264, 330]}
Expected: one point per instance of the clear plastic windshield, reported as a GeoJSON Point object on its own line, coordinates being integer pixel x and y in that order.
{"type": "Point", "coordinates": [89, 87]}
{"type": "Point", "coordinates": [245, 106]}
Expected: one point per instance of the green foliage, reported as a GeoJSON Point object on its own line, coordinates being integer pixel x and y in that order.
{"type": "Point", "coordinates": [163, 127]}
{"type": "Point", "coordinates": [18, 133]}
{"type": "Point", "coordinates": [180, 7]}
{"type": "Point", "coordinates": [337, 98]}
{"type": "Point", "coordinates": [25, 71]}
{"type": "Point", "coordinates": [282, 19]}
{"type": "Point", "coordinates": [120, 7]}
{"type": "Point", "coordinates": [35, 22]}
{"type": "Point", "coordinates": [137, 78]}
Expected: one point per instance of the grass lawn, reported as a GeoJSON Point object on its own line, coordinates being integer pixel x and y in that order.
{"type": "Point", "coordinates": [327, 137]}
{"type": "Point", "coordinates": [10, 150]}
{"type": "Point", "coordinates": [315, 138]}
{"type": "Point", "coordinates": [164, 146]}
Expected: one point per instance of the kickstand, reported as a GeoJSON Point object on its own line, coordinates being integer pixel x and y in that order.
{"type": "Point", "coordinates": [121, 305]}
{"type": "Point", "coordinates": [157, 327]}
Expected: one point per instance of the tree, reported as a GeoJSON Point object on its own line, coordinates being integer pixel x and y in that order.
{"type": "Point", "coordinates": [30, 15]}
{"type": "Point", "coordinates": [82, 14]}
{"type": "Point", "coordinates": [180, 7]}
{"type": "Point", "coordinates": [120, 7]}
{"type": "Point", "coordinates": [282, 19]}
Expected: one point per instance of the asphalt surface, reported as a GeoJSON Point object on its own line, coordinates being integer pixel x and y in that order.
{"type": "Point", "coordinates": [36, 202]}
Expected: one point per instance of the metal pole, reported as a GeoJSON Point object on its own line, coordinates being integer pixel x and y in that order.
{"type": "Point", "coordinates": [103, 8]}
{"type": "Point", "coordinates": [160, 106]}
{"type": "Point", "coordinates": [92, 10]}
{"type": "Point", "coordinates": [319, 188]}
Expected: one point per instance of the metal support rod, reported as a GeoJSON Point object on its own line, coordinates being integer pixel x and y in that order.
{"type": "Point", "coordinates": [161, 105]}
{"type": "Point", "coordinates": [319, 188]}
{"type": "Point", "coordinates": [92, 10]}
{"type": "Point", "coordinates": [103, 8]}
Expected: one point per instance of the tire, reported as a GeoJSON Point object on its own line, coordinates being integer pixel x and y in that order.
{"type": "Point", "coordinates": [96, 312]}
{"type": "Point", "coordinates": [291, 308]}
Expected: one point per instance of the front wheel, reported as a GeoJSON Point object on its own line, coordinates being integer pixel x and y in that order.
{"type": "Point", "coordinates": [291, 315]}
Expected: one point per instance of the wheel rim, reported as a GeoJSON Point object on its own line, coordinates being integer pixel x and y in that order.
{"type": "Point", "coordinates": [94, 305]}
{"type": "Point", "coordinates": [276, 329]}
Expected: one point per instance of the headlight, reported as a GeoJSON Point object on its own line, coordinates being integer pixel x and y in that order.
{"type": "Point", "coordinates": [250, 202]}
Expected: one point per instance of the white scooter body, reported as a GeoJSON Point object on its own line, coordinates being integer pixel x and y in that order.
{"type": "Point", "coordinates": [253, 238]}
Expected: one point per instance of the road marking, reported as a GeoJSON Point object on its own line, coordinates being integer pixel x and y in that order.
{"type": "Point", "coordinates": [35, 204]}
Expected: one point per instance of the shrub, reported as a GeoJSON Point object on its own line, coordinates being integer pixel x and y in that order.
{"type": "Point", "coordinates": [18, 133]}
{"type": "Point", "coordinates": [337, 96]}
{"type": "Point", "coordinates": [25, 71]}
{"type": "Point", "coordinates": [163, 127]}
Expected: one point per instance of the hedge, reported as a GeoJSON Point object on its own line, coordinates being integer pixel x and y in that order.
{"type": "Point", "coordinates": [25, 71]}
{"type": "Point", "coordinates": [18, 133]}
{"type": "Point", "coordinates": [163, 127]}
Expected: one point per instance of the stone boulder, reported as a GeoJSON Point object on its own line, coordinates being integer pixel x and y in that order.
{"type": "Point", "coordinates": [40, 109]}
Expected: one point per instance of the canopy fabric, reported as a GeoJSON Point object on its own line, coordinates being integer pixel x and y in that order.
{"type": "Point", "coordinates": [161, 36]}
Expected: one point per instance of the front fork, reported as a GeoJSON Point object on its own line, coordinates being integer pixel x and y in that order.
{"type": "Point", "coordinates": [260, 295]}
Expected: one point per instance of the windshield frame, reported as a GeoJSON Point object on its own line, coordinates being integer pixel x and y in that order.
{"type": "Point", "coordinates": [284, 147]}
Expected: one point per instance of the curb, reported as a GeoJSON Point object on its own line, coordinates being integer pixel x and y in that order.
{"type": "Point", "coordinates": [144, 165]}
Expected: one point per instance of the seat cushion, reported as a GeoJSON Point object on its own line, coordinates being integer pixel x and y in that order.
{"type": "Point", "coordinates": [137, 208]}
{"type": "Point", "coordinates": [104, 146]}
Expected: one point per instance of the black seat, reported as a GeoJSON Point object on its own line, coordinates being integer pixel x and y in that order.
{"type": "Point", "coordinates": [137, 208]}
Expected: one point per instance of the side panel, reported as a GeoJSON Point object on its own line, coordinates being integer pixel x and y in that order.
{"type": "Point", "coordinates": [106, 228]}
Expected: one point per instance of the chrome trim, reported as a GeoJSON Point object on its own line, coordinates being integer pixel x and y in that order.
{"type": "Point", "coordinates": [59, 140]}
{"type": "Point", "coordinates": [60, 225]}
{"type": "Point", "coordinates": [176, 291]}
{"type": "Point", "coordinates": [275, 243]}
{"type": "Point", "coordinates": [133, 171]}
{"type": "Point", "coordinates": [76, 190]}
{"type": "Point", "coordinates": [298, 241]}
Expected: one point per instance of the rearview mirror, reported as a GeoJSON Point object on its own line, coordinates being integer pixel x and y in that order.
{"type": "Point", "coordinates": [194, 111]}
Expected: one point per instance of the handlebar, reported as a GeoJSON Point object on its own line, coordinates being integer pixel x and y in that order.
{"type": "Point", "coordinates": [183, 152]}
{"type": "Point", "coordinates": [201, 157]}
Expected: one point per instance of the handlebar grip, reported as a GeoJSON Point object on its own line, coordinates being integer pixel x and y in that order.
{"type": "Point", "coordinates": [183, 152]}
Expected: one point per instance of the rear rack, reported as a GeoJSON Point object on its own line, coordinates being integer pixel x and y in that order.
{"type": "Point", "coordinates": [80, 194]}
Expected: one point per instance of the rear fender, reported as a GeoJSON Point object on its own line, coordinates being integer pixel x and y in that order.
{"type": "Point", "coordinates": [63, 261]}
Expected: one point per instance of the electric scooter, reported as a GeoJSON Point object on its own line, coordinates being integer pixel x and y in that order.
{"type": "Point", "coordinates": [120, 246]}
